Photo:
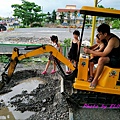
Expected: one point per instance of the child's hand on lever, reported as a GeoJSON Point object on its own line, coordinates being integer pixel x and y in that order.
{"type": "Point", "coordinates": [86, 50]}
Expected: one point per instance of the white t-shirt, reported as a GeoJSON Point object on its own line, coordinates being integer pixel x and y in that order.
{"type": "Point", "coordinates": [55, 45]}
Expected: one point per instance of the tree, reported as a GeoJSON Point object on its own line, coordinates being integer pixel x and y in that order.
{"type": "Point", "coordinates": [116, 24]}
{"type": "Point", "coordinates": [62, 15]}
{"type": "Point", "coordinates": [100, 6]}
{"type": "Point", "coordinates": [53, 17]}
{"type": "Point", "coordinates": [1, 18]}
{"type": "Point", "coordinates": [108, 20]}
{"type": "Point", "coordinates": [75, 16]}
{"type": "Point", "coordinates": [48, 17]}
{"type": "Point", "coordinates": [28, 12]}
{"type": "Point", "coordinates": [68, 17]}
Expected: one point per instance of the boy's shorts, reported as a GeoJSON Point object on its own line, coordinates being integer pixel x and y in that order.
{"type": "Point", "coordinates": [94, 60]}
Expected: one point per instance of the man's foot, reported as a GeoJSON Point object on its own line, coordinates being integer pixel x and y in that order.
{"type": "Point", "coordinates": [53, 71]}
{"type": "Point", "coordinates": [90, 79]}
{"type": "Point", "coordinates": [44, 72]}
{"type": "Point", "coordinates": [92, 86]}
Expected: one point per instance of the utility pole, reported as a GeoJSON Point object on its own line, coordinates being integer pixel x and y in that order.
{"type": "Point", "coordinates": [93, 24]}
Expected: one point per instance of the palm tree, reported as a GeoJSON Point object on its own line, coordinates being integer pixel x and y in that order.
{"type": "Point", "coordinates": [62, 15]}
{"type": "Point", "coordinates": [48, 17]}
{"type": "Point", "coordinates": [53, 17]}
{"type": "Point", "coordinates": [75, 16]}
{"type": "Point", "coordinates": [68, 17]}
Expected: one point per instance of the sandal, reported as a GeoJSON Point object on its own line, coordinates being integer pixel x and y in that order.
{"type": "Point", "coordinates": [92, 86]}
{"type": "Point", "coordinates": [68, 72]}
{"type": "Point", "coordinates": [44, 72]}
{"type": "Point", "coordinates": [53, 71]}
{"type": "Point", "coordinates": [90, 79]}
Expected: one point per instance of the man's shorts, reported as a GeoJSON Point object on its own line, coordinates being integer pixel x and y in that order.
{"type": "Point", "coordinates": [114, 62]}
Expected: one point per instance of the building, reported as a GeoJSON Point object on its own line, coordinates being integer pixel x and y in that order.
{"type": "Point", "coordinates": [71, 14]}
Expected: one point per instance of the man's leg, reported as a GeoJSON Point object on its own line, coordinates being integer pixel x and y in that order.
{"type": "Point", "coordinates": [101, 62]}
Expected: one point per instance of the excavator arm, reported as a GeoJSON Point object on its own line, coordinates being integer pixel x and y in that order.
{"type": "Point", "coordinates": [16, 57]}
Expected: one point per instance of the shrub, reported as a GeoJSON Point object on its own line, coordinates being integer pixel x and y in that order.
{"type": "Point", "coordinates": [4, 59]}
{"type": "Point", "coordinates": [36, 24]}
{"type": "Point", "coordinates": [67, 42]}
{"type": "Point", "coordinates": [116, 24]}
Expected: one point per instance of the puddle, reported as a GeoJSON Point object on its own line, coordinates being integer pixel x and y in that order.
{"type": "Point", "coordinates": [9, 113]}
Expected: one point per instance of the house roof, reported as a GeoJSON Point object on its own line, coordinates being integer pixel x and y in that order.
{"type": "Point", "coordinates": [70, 5]}
{"type": "Point", "coordinates": [67, 10]}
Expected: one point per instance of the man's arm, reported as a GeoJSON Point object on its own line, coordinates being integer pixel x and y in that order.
{"type": "Point", "coordinates": [107, 50]}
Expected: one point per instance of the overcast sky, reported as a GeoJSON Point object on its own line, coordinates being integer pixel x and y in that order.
{"type": "Point", "coordinates": [50, 5]}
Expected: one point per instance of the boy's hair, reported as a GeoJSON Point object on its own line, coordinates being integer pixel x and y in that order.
{"type": "Point", "coordinates": [97, 36]}
{"type": "Point", "coordinates": [76, 32]}
{"type": "Point", "coordinates": [104, 28]}
{"type": "Point", "coordinates": [54, 38]}
{"type": "Point", "coordinates": [104, 41]}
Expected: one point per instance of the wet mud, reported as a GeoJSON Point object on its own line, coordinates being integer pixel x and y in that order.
{"type": "Point", "coordinates": [45, 101]}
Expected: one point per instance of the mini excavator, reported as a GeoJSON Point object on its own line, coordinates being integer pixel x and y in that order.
{"type": "Point", "coordinates": [107, 91]}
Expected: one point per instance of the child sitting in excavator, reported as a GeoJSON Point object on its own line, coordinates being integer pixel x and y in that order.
{"type": "Point", "coordinates": [54, 42]}
{"type": "Point", "coordinates": [99, 46]}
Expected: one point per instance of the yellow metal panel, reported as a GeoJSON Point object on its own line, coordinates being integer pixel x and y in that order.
{"type": "Point", "coordinates": [48, 49]}
{"type": "Point", "coordinates": [95, 11]}
{"type": "Point", "coordinates": [84, 85]}
{"type": "Point", "coordinates": [83, 67]}
{"type": "Point", "coordinates": [13, 62]}
{"type": "Point", "coordinates": [109, 77]}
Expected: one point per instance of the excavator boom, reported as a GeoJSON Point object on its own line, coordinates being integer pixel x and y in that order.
{"type": "Point", "coordinates": [35, 51]}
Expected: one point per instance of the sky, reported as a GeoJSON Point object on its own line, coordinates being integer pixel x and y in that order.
{"type": "Point", "coordinates": [50, 5]}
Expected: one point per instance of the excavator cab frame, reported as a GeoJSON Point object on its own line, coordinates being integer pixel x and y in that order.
{"type": "Point", "coordinates": [105, 84]}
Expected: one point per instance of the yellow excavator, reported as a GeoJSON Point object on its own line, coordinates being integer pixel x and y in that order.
{"type": "Point", "coordinates": [108, 89]}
